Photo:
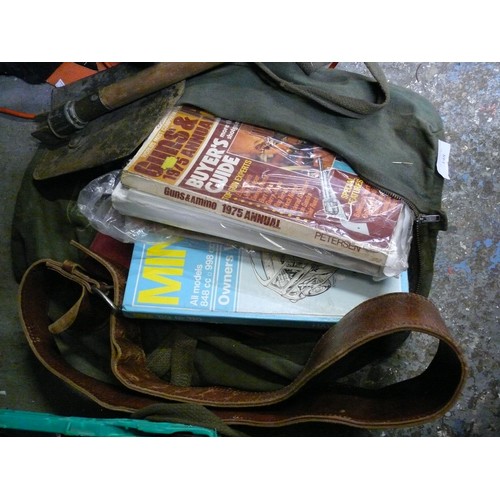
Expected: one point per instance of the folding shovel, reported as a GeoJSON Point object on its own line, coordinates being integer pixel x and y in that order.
{"type": "Point", "coordinates": [106, 116]}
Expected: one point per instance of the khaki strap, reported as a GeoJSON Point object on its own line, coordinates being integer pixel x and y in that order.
{"type": "Point", "coordinates": [410, 402]}
{"type": "Point", "coordinates": [350, 106]}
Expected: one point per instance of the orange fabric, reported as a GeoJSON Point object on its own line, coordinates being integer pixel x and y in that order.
{"type": "Point", "coordinates": [70, 72]}
{"type": "Point", "coordinates": [101, 66]}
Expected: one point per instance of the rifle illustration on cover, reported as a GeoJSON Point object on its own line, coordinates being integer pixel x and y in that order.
{"type": "Point", "coordinates": [306, 161]}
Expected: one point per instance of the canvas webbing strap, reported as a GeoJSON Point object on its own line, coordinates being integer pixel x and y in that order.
{"type": "Point", "coordinates": [409, 402]}
{"type": "Point", "coordinates": [346, 105]}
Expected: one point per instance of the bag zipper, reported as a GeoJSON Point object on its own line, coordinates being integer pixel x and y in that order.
{"type": "Point", "coordinates": [420, 219]}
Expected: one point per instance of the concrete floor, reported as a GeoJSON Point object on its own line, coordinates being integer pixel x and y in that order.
{"type": "Point", "coordinates": [465, 287]}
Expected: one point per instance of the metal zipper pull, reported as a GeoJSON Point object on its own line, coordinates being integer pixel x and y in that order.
{"type": "Point", "coordinates": [429, 218]}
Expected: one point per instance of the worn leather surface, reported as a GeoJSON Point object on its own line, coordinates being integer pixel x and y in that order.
{"type": "Point", "coordinates": [307, 398]}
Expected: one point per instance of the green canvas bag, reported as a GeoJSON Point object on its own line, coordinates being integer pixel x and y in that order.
{"type": "Point", "coordinates": [388, 134]}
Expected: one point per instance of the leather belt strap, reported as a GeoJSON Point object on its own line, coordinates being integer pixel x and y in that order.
{"type": "Point", "coordinates": [410, 402]}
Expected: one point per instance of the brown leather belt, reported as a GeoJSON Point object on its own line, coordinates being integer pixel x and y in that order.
{"type": "Point", "coordinates": [410, 402]}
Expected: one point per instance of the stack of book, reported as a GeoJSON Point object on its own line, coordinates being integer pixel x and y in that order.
{"type": "Point", "coordinates": [305, 236]}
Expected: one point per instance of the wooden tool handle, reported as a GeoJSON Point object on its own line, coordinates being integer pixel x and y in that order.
{"type": "Point", "coordinates": [150, 80]}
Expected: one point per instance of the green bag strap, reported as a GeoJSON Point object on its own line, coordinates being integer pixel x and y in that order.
{"type": "Point", "coordinates": [290, 78]}
{"type": "Point", "coordinates": [187, 414]}
{"type": "Point", "coordinates": [175, 356]}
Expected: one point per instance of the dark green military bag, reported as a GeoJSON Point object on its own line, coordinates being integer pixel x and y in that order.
{"type": "Point", "coordinates": [252, 377]}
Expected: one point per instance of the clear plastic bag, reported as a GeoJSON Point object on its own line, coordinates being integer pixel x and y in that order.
{"type": "Point", "coordinates": [94, 202]}
{"type": "Point", "coordinates": [131, 216]}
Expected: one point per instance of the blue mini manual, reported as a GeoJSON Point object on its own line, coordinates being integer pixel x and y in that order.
{"type": "Point", "coordinates": [200, 280]}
